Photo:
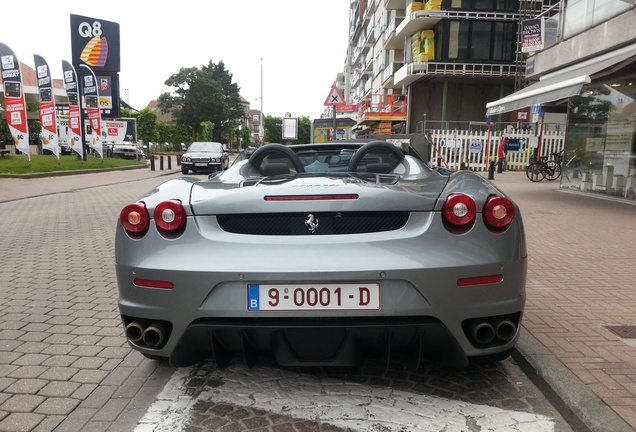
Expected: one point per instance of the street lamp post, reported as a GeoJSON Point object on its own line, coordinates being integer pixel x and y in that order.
{"type": "Point", "coordinates": [261, 127]}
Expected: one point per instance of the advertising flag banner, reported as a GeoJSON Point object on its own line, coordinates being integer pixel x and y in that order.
{"type": "Point", "coordinates": [48, 119]}
{"type": "Point", "coordinates": [74, 118]}
{"type": "Point", "coordinates": [91, 101]}
{"type": "Point", "coordinates": [14, 101]}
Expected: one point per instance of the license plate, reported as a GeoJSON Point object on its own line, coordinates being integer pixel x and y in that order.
{"type": "Point", "coordinates": [348, 296]}
{"type": "Point", "coordinates": [201, 164]}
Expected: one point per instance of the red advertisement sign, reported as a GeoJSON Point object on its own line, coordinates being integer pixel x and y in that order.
{"type": "Point", "coordinates": [14, 102]}
{"type": "Point", "coordinates": [48, 119]}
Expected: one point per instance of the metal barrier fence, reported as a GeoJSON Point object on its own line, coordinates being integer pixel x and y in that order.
{"type": "Point", "coordinates": [474, 149]}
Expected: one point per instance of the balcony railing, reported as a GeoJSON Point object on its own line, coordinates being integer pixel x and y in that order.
{"type": "Point", "coordinates": [412, 72]}
{"type": "Point", "coordinates": [383, 107]}
{"type": "Point", "coordinates": [427, 19]}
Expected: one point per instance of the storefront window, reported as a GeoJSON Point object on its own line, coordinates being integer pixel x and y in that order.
{"type": "Point", "coordinates": [600, 148]}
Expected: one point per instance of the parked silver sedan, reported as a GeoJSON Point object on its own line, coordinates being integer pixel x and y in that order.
{"type": "Point", "coordinates": [323, 254]}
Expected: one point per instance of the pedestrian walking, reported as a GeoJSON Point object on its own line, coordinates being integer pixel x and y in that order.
{"type": "Point", "coordinates": [502, 155]}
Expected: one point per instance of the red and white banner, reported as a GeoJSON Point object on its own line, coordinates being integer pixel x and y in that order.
{"type": "Point", "coordinates": [74, 119]}
{"type": "Point", "coordinates": [14, 102]}
{"type": "Point", "coordinates": [91, 101]}
{"type": "Point", "coordinates": [48, 120]}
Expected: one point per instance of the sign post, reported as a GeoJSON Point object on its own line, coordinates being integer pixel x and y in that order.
{"type": "Point", "coordinates": [334, 99]}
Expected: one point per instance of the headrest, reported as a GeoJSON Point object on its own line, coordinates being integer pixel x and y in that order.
{"type": "Point", "coordinates": [274, 169]}
{"type": "Point", "coordinates": [378, 168]}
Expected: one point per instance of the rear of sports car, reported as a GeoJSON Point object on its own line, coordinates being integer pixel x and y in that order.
{"type": "Point", "coordinates": [323, 270]}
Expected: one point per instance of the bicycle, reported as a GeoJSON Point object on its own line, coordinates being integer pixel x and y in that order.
{"type": "Point", "coordinates": [545, 168]}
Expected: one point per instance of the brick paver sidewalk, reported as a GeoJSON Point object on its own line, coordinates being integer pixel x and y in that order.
{"type": "Point", "coordinates": [581, 291]}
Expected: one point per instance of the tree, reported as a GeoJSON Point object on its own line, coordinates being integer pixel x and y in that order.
{"type": "Point", "coordinates": [246, 137]}
{"type": "Point", "coordinates": [173, 134]}
{"type": "Point", "coordinates": [273, 127]}
{"type": "Point", "coordinates": [206, 131]}
{"type": "Point", "coordinates": [304, 130]}
{"type": "Point", "coordinates": [200, 95]}
{"type": "Point", "coordinates": [146, 125]}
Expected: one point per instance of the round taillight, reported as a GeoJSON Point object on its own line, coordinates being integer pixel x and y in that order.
{"type": "Point", "coordinates": [170, 215]}
{"type": "Point", "coordinates": [459, 209]}
{"type": "Point", "coordinates": [498, 212]}
{"type": "Point", "coordinates": [134, 218]}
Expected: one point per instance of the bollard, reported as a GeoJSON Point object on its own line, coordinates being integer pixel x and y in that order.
{"type": "Point", "coordinates": [152, 163]}
{"type": "Point", "coordinates": [178, 160]}
{"type": "Point", "coordinates": [491, 170]}
{"type": "Point", "coordinates": [161, 162]}
{"type": "Point", "coordinates": [169, 162]}
{"type": "Point", "coordinates": [500, 166]}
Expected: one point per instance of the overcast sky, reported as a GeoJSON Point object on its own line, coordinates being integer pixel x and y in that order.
{"type": "Point", "coordinates": [302, 44]}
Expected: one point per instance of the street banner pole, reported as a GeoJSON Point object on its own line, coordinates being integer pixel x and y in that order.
{"type": "Point", "coordinates": [14, 100]}
{"type": "Point", "coordinates": [48, 117]}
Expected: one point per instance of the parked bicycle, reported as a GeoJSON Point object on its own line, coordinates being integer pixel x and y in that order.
{"type": "Point", "coordinates": [547, 167]}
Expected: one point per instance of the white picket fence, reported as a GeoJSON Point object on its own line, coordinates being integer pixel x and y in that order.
{"type": "Point", "coordinates": [470, 149]}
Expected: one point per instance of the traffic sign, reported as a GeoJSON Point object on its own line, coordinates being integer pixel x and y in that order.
{"type": "Point", "coordinates": [335, 97]}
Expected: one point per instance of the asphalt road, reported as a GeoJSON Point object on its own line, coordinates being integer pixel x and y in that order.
{"type": "Point", "coordinates": [66, 365]}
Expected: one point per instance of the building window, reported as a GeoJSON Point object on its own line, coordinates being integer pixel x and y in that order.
{"type": "Point", "coordinates": [255, 118]}
{"type": "Point", "coordinates": [476, 41]}
{"type": "Point", "coordinates": [482, 5]}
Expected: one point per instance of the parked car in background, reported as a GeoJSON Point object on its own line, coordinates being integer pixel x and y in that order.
{"type": "Point", "coordinates": [123, 150]}
{"type": "Point", "coordinates": [65, 149]}
{"type": "Point", "coordinates": [323, 266]}
{"type": "Point", "coordinates": [204, 157]}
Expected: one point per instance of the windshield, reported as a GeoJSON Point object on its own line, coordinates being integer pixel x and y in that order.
{"type": "Point", "coordinates": [206, 147]}
{"type": "Point", "coordinates": [326, 161]}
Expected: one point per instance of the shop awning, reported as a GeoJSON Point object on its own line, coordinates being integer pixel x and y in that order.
{"type": "Point", "coordinates": [563, 83]}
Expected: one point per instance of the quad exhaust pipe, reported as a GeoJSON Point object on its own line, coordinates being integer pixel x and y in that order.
{"type": "Point", "coordinates": [152, 334]}
{"type": "Point", "coordinates": [483, 332]}
{"type": "Point", "coordinates": [501, 330]}
{"type": "Point", "coordinates": [155, 334]}
{"type": "Point", "coordinates": [135, 330]}
{"type": "Point", "coordinates": [505, 330]}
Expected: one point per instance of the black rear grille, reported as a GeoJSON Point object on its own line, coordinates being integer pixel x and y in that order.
{"type": "Point", "coordinates": [283, 224]}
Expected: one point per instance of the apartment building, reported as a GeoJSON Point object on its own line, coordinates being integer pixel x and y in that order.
{"type": "Point", "coordinates": [415, 65]}
{"type": "Point", "coordinates": [451, 64]}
